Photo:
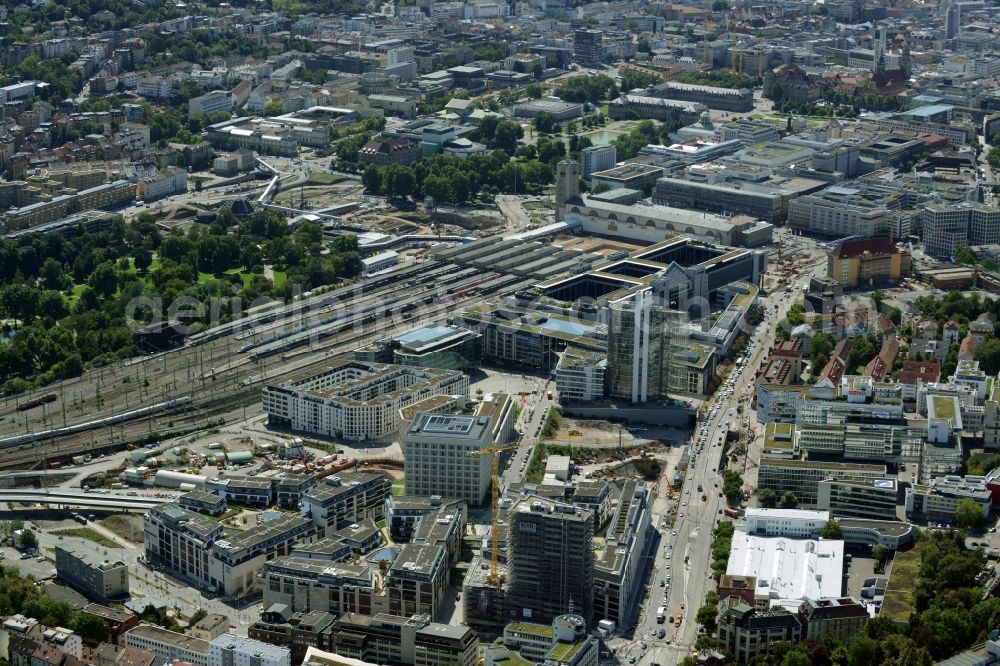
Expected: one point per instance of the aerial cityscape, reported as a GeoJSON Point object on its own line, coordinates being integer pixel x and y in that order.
{"type": "Point", "coordinates": [488, 333]}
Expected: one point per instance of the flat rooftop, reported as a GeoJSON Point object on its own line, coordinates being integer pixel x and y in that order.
{"type": "Point", "coordinates": [789, 569]}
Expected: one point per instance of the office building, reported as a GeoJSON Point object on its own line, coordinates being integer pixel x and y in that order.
{"type": "Point", "coordinates": [233, 650]}
{"type": "Point", "coordinates": [802, 477]}
{"type": "Point", "coordinates": [436, 453]}
{"type": "Point", "coordinates": [346, 498]}
{"type": "Point", "coordinates": [937, 501]}
{"type": "Point", "coordinates": [793, 523]}
{"type": "Point", "coordinates": [746, 632]}
{"type": "Point", "coordinates": [869, 499]}
{"type": "Point", "coordinates": [597, 158]}
{"type": "Point", "coordinates": [952, 20]}
{"type": "Point", "coordinates": [179, 541]}
{"type": "Point", "coordinates": [210, 627]}
{"type": "Point", "coordinates": [588, 48]}
{"type": "Point", "coordinates": [564, 642]}
{"type": "Point", "coordinates": [355, 400]}
{"type": "Point", "coordinates": [438, 346]}
{"type": "Point", "coordinates": [550, 558]}
{"type": "Point", "coordinates": [641, 349]}
{"type": "Point", "coordinates": [867, 263]}
{"type": "Point", "coordinates": [947, 227]}
{"type": "Point", "coordinates": [788, 569]}
{"type": "Point", "coordinates": [168, 646]}
{"type": "Point", "coordinates": [580, 375]}
{"type": "Point", "coordinates": [406, 640]}
{"type": "Point", "coordinates": [618, 561]}
{"type": "Point", "coordinates": [846, 209]}
{"type": "Point", "coordinates": [101, 580]}
{"type": "Point", "coordinates": [733, 191]}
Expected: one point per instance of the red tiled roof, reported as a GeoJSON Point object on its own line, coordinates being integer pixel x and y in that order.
{"type": "Point", "coordinates": [926, 371]}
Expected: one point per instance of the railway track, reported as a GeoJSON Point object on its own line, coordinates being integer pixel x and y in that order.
{"type": "Point", "coordinates": [223, 391]}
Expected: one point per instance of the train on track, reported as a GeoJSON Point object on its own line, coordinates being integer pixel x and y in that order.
{"type": "Point", "coordinates": [37, 402]}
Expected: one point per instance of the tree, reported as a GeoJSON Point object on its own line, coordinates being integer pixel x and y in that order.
{"type": "Point", "coordinates": [273, 108]}
{"type": "Point", "coordinates": [536, 69]}
{"type": "Point", "coordinates": [831, 530]}
{"type": "Point", "coordinates": [28, 539]}
{"type": "Point", "coordinates": [720, 6]}
{"type": "Point", "coordinates": [90, 627]}
{"type": "Point", "coordinates": [104, 279]}
{"type": "Point", "coordinates": [988, 355]}
{"type": "Point", "coordinates": [371, 179]}
{"type": "Point", "coordinates": [879, 552]}
{"type": "Point", "coordinates": [533, 90]}
{"type": "Point", "coordinates": [142, 258]}
{"type": "Point", "coordinates": [965, 255]}
{"type": "Point", "coordinates": [767, 498]}
{"type": "Point", "coordinates": [732, 486]}
{"type": "Point", "coordinates": [789, 500]}
{"type": "Point", "coordinates": [967, 513]}
{"type": "Point", "coordinates": [544, 122]}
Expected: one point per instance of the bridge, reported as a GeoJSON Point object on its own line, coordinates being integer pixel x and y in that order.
{"type": "Point", "coordinates": [91, 500]}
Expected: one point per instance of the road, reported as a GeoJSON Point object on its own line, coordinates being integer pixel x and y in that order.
{"type": "Point", "coordinates": [682, 558]}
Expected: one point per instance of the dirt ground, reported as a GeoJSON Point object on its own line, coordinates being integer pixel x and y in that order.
{"type": "Point", "coordinates": [602, 245]}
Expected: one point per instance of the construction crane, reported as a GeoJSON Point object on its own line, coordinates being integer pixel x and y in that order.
{"type": "Point", "coordinates": [494, 451]}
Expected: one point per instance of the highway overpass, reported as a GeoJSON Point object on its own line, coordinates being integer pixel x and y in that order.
{"type": "Point", "coordinates": [67, 498]}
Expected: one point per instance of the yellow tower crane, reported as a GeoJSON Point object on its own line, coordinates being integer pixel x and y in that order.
{"type": "Point", "coordinates": [494, 451]}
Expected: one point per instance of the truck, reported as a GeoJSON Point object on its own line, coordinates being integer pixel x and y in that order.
{"type": "Point", "coordinates": [677, 620]}
{"type": "Point", "coordinates": [732, 513]}
{"type": "Point", "coordinates": [660, 615]}
{"type": "Point", "coordinates": [79, 460]}
{"type": "Point", "coordinates": [548, 394]}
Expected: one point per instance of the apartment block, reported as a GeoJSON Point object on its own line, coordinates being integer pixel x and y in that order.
{"type": "Point", "coordinates": [203, 501]}
{"type": "Point", "coordinates": [180, 540]}
{"type": "Point", "coordinates": [802, 477]}
{"type": "Point", "coordinates": [346, 498]}
{"type": "Point", "coordinates": [356, 400]}
{"type": "Point", "coordinates": [298, 632]}
{"type": "Point", "coordinates": [405, 514]}
{"type": "Point", "coordinates": [840, 619]}
{"type": "Point", "coordinates": [597, 158]}
{"type": "Point", "coordinates": [233, 650]}
{"type": "Point", "coordinates": [168, 646]}
{"type": "Point", "coordinates": [235, 561]}
{"type": "Point", "coordinates": [550, 557]}
{"type": "Point", "coordinates": [746, 632]}
{"type": "Point", "coordinates": [242, 490]}
{"type": "Point", "coordinates": [212, 102]}
{"type": "Point", "coordinates": [101, 580]}
{"type": "Point", "coordinates": [417, 580]}
{"type": "Point", "coordinates": [304, 584]}
{"type": "Point", "coordinates": [410, 641]}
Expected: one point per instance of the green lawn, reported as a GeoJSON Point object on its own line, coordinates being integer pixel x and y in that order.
{"type": "Point", "coordinates": [399, 487]}
{"type": "Point", "coordinates": [279, 278]}
{"type": "Point", "coordinates": [88, 533]}
{"type": "Point", "coordinates": [323, 178]}
{"type": "Point", "coordinates": [900, 596]}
